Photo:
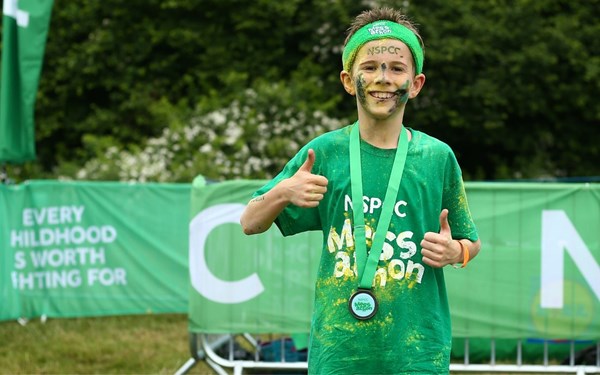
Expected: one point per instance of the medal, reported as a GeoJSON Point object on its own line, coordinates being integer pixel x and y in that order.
{"type": "Point", "coordinates": [363, 304]}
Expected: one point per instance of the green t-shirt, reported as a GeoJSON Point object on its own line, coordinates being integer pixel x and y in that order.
{"type": "Point", "coordinates": [411, 331]}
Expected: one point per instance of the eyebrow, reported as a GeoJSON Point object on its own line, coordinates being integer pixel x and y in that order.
{"type": "Point", "coordinates": [399, 63]}
{"type": "Point", "coordinates": [393, 62]}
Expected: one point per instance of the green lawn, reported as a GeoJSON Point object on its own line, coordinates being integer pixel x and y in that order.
{"type": "Point", "coordinates": [140, 344]}
{"type": "Point", "coordinates": [137, 344]}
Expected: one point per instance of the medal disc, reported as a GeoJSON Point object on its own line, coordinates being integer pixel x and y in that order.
{"type": "Point", "coordinates": [362, 304]}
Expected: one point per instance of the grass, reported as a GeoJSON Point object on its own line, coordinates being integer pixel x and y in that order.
{"type": "Point", "coordinates": [141, 344]}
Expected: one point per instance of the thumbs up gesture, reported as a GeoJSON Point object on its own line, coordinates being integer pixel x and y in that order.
{"type": "Point", "coordinates": [439, 249]}
{"type": "Point", "coordinates": [305, 189]}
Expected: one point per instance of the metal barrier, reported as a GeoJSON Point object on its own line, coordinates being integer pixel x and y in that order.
{"type": "Point", "coordinates": [205, 347]}
{"type": "Point", "coordinates": [520, 367]}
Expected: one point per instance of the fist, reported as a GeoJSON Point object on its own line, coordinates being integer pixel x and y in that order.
{"type": "Point", "coordinates": [304, 188]}
{"type": "Point", "coordinates": [439, 249]}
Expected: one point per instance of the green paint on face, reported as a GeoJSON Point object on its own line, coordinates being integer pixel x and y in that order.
{"type": "Point", "coordinates": [403, 93]}
{"type": "Point", "coordinates": [360, 89]}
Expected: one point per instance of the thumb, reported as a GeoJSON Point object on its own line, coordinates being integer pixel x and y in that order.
{"type": "Point", "coordinates": [444, 225]}
{"type": "Point", "coordinates": [310, 161]}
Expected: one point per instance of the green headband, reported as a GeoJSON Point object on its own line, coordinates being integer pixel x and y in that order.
{"type": "Point", "coordinates": [383, 30]}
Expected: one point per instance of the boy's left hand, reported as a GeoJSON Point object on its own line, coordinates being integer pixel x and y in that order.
{"type": "Point", "coordinates": [439, 249]}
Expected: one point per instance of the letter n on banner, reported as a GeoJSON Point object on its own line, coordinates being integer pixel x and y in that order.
{"type": "Point", "coordinates": [558, 235]}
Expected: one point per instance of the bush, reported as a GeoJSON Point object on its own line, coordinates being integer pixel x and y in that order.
{"type": "Point", "coordinates": [253, 137]}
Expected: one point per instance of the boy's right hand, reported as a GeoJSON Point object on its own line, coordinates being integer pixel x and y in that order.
{"type": "Point", "coordinates": [305, 189]}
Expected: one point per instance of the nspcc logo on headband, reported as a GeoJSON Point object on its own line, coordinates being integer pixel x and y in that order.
{"type": "Point", "coordinates": [380, 30]}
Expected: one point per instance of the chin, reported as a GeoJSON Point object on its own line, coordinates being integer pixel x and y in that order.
{"type": "Point", "coordinates": [384, 115]}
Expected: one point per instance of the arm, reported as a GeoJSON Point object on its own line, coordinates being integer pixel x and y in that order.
{"type": "Point", "coordinates": [439, 249]}
{"type": "Point", "coordinates": [303, 189]}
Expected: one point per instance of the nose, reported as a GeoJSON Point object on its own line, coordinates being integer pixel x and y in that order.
{"type": "Point", "coordinates": [382, 76]}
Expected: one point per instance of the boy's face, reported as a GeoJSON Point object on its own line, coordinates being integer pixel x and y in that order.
{"type": "Point", "coordinates": [383, 78]}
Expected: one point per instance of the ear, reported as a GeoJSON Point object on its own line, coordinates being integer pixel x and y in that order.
{"type": "Point", "coordinates": [417, 85]}
{"type": "Point", "coordinates": [347, 82]}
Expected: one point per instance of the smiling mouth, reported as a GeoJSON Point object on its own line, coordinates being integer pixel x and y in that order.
{"type": "Point", "coordinates": [382, 95]}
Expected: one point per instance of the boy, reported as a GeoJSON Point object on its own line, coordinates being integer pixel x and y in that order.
{"type": "Point", "coordinates": [380, 299]}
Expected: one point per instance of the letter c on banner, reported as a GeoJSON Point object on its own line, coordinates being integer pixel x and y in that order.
{"type": "Point", "coordinates": [202, 279]}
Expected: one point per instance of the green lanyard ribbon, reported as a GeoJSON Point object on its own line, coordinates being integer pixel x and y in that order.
{"type": "Point", "coordinates": [367, 265]}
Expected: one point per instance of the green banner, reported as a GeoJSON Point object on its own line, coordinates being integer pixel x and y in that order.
{"type": "Point", "coordinates": [241, 283]}
{"type": "Point", "coordinates": [74, 249]}
{"type": "Point", "coordinates": [538, 275]}
{"type": "Point", "coordinates": [24, 29]}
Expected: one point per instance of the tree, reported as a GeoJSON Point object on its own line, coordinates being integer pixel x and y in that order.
{"type": "Point", "coordinates": [511, 85]}
{"type": "Point", "coordinates": [115, 72]}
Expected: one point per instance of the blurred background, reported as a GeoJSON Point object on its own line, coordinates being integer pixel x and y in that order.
{"type": "Point", "coordinates": [166, 90]}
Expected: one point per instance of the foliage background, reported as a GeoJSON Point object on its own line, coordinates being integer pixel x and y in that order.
{"type": "Point", "coordinates": [164, 90]}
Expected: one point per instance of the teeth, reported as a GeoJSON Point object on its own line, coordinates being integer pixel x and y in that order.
{"type": "Point", "coordinates": [382, 95]}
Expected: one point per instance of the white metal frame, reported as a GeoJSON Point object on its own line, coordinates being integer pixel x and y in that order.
{"type": "Point", "coordinates": [203, 349]}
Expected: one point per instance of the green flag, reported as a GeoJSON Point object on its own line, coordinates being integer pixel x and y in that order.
{"type": "Point", "coordinates": [24, 29]}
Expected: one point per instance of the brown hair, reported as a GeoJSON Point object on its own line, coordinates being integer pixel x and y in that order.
{"type": "Point", "coordinates": [378, 14]}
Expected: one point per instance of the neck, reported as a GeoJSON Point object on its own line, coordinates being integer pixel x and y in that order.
{"type": "Point", "coordinates": [381, 133]}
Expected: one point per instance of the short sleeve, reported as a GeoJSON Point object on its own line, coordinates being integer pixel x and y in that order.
{"type": "Point", "coordinates": [455, 200]}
